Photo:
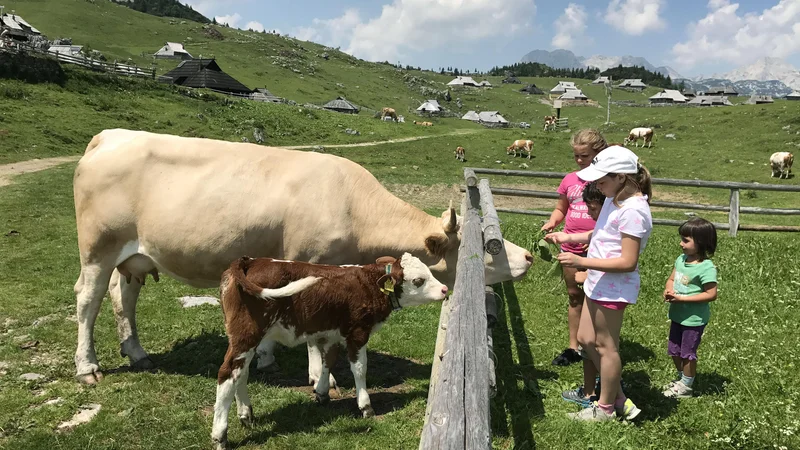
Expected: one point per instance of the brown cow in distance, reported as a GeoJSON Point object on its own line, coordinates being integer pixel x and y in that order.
{"type": "Point", "coordinates": [461, 154]}
{"type": "Point", "coordinates": [520, 146]}
{"type": "Point", "coordinates": [389, 112]}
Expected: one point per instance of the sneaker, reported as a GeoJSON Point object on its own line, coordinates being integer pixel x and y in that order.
{"type": "Point", "coordinates": [567, 357]}
{"type": "Point", "coordinates": [579, 397]}
{"type": "Point", "coordinates": [629, 410]}
{"type": "Point", "coordinates": [678, 390]}
{"type": "Point", "coordinates": [592, 414]}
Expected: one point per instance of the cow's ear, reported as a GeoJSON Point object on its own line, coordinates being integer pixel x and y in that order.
{"type": "Point", "coordinates": [385, 260]}
{"type": "Point", "coordinates": [436, 245]}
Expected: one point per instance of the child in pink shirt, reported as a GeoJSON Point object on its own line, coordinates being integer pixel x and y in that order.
{"type": "Point", "coordinates": [571, 209]}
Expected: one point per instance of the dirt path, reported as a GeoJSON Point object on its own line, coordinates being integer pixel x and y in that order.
{"type": "Point", "coordinates": [8, 171]}
{"type": "Point", "coordinates": [390, 141]}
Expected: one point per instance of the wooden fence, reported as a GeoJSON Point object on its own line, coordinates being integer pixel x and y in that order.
{"type": "Point", "coordinates": [734, 208]}
{"type": "Point", "coordinates": [463, 373]}
{"type": "Point", "coordinates": [93, 64]}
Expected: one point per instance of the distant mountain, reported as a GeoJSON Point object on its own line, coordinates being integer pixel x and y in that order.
{"type": "Point", "coordinates": [744, 87]}
{"type": "Point", "coordinates": [565, 59]}
{"type": "Point", "coordinates": [767, 69]}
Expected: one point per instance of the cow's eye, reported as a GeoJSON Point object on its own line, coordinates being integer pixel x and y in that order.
{"type": "Point", "coordinates": [418, 282]}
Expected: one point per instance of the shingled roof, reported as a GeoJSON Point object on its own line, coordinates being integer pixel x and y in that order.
{"type": "Point", "coordinates": [340, 104]}
{"type": "Point", "coordinates": [204, 73]}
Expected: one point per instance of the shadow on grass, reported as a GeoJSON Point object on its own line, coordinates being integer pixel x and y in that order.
{"type": "Point", "coordinates": [650, 398]}
{"type": "Point", "coordinates": [202, 355]}
{"type": "Point", "coordinates": [710, 383]}
{"type": "Point", "coordinates": [518, 394]}
{"type": "Point", "coordinates": [632, 352]}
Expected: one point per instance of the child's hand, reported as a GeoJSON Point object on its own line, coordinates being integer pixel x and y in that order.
{"type": "Point", "coordinates": [568, 259]}
{"type": "Point", "coordinates": [670, 296]}
{"type": "Point", "coordinates": [548, 226]}
{"type": "Point", "coordinates": [557, 238]}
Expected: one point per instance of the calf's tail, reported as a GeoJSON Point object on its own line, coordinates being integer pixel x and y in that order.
{"type": "Point", "coordinates": [237, 271]}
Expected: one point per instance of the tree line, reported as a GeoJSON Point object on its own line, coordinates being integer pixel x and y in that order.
{"type": "Point", "coordinates": [619, 73]}
{"type": "Point", "coordinates": [167, 8]}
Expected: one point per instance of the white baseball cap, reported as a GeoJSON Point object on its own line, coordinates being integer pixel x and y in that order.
{"type": "Point", "coordinates": [614, 159]}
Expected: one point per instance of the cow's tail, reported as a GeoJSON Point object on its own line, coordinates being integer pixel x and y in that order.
{"type": "Point", "coordinates": [238, 269]}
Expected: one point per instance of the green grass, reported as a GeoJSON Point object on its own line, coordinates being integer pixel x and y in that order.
{"type": "Point", "coordinates": [747, 375]}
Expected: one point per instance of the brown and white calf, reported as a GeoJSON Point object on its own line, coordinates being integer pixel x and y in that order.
{"type": "Point", "coordinates": [640, 133]}
{"type": "Point", "coordinates": [461, 154]}
{"type": "Point", "coordinates": [781, 163]}
{"type": "Point", "coordinates": [521, 145]}
{"type": "Point", "coordinates": [549, 123]}
{"type": "Point", "coordinates": [267, 300]}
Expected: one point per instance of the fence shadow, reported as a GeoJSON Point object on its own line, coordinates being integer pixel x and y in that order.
{"type": "Point", "coordinates": [202, 354]}
{"type": "Point", "coordinates": [520, 403]}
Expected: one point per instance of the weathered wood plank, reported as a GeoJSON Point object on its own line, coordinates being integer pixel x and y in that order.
{"type": "Point", "coordinates": [470, 178]}
{"type": "Point", "coordinates": [438, 354]}
{"type": "Point", "coordinates": [491, 320]}
{"type": "Point", "coordinates": [656, 181]}
{"type": "Point", "coordinates": [446, 426]}
{"type": "Point", "coordinates": [733, 214]}
{"type": "Point", "coordinates": [492, 237]}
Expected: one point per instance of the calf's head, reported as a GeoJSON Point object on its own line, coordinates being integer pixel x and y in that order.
{"type": "Point", "coordinates": [411, 281]}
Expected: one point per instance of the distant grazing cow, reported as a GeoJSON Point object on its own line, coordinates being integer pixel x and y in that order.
{"type": "Point", "coordinates": [640, 133]}
{"type": "Point", "coordinates": [549, 123]}
{"type": "Point", "coordinates": [266, 300]}
{"type": "Point", "coordinates": [461, 154]}
{"type": "Point", "coordinates": [781, 163]}
{"type": "Point", "coordinates": [424, 124]}
{"type": "Point", "coordinates": [388, 112]}
{"type": "Point", "coordinates": [520, 146]}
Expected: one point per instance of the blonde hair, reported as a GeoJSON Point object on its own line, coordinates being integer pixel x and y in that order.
{"type": "Point", "coordinates": [590, 137]}
{"type": "Point", "coordinates": [636, 182]}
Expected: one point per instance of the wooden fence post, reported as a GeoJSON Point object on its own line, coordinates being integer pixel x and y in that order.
{"type": "Point", "coordinates": [733, 214]}
{"type": "Point", "coordinates": [492, 238]}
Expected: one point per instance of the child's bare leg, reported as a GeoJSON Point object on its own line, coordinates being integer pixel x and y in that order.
{"type": "Point", "coordinates": [586, 337]}
{"type": "Point", "coordinates": [575, 305]}
{"type": "Point", "coordinates": [690, 367]}
{"type": "Point", "coordinates": [589, 377]}
{"type": "Point", "coordinates": [608, 323]}
{"type": "Point", "coordinates": [679, 363]}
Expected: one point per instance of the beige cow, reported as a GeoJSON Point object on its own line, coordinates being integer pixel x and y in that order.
{"type": "Point", "coordinates": [187, 207]}
{"type": "Point", "coordinates": [520, 146]}
{"type": "Point", "coordinates": [646, 134]}
{"type": "Point", "coordinates": [781, 164]}
{"type": "Point", "coordinates": [389, 112]}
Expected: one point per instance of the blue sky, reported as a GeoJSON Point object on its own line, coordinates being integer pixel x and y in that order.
{"type": "Point", "coordinates": [693, 37]}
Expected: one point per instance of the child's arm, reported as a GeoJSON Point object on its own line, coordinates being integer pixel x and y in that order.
{"type": "Point", "coordinates": [625, 263]}
{"type": "Point", "coordinates": [562, 238]}
{"type": "Point", "coordinates": [670, 284]}
{"type": "Point", "coordinates": [558, 214]}
{"type": "Point", "coordinates": [709, 294]}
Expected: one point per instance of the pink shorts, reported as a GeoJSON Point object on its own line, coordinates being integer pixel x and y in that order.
{"type": "Point", "coordinates": [616, 306]}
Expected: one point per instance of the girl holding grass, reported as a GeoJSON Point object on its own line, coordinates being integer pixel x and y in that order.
{"type": "Point", "coordinates": [612, 283]}
{"type": "Point", "coordinates": [571, 209]}
{"type": "Point", "coordinates": [689, 290]}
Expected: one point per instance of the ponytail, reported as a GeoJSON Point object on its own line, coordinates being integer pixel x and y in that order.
{"type": "Point", "coordinates": [638, 182]}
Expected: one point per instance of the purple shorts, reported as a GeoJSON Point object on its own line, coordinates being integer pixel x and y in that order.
{"type": "Point", "coordinates": [683, 340]}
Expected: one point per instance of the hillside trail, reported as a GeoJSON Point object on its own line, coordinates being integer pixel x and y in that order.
{"type": "Point", "coordinates": [8, 171]}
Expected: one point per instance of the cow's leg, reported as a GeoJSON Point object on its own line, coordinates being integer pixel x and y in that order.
{"type": "Point", "coordinates": [123, 297]}
{"type": "Point", "coordinates": [243, 407]}
{"type": "Point", "coordinates": [89, 290]}
{"type": "Point", "coordinates": [266, 354]}
{"type": "Point", "coordinates": [315, 367]}
{"type": "Point", "coordinates": [357, 353]}
{"type": "Point", "coordinates": [230, 373]}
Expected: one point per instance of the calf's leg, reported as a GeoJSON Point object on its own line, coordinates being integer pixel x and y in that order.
{"type": "Point", "coordinates": [266, 354]}
{"type": "Point", "coordinates": [357, 354]}
{"type": "Point", "coordinates": [230, 375]}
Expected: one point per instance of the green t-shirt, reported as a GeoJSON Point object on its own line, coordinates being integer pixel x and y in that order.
{"type": "Point", "coordinates": [689, 280]}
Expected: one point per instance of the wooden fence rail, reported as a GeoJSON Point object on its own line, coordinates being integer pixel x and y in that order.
{"type": "Point", "coordinates": [462, 377]}
{"type": "Point", "coordinates": [734, 208]}
{"type": "Point", "coordinates": [93, 64]}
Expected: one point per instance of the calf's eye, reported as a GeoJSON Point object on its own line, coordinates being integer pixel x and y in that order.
{"type": "Point", "coordinates": [418, 282]}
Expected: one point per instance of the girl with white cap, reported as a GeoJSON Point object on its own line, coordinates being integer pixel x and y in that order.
{"type": "Point", "coordinates": [612, 283]}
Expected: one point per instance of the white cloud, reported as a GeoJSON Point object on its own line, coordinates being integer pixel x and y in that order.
{"type": "Point", "coordinates": [725, 35]}
{"type": "Point", "coordinates": [634, 16]}
{"type": "Point", "coordinates": [418, 25]}
{"type": "Point", "coordinates": [255, 26]}
{"type": "Point", "coordinates": [570, 27]}
{"type": "Point", "coordinates": [232, 20]}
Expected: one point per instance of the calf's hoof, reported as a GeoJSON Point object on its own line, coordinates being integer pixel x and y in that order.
{"type": "Point", "coordinates": [247, 419]}
{"type": "Point", "coordinates": [322, 399]}
{"type": "Point", "coordinates": [143, 364]}
{"type": "Point", "coordinates": [220, 444]}
{"type": "Point", "coordinates": [367, 412]}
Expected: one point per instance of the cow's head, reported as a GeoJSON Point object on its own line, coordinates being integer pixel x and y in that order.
{"type": "Point", "coordinates": [411, 282]}
{"type": "Point", "coordinates": [512, 263]}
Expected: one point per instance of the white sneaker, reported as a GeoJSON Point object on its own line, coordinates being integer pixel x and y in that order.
{"type": "Point", "coordinates": [678, 390]}
{"type": "Point", "coordinates": [593, 413]}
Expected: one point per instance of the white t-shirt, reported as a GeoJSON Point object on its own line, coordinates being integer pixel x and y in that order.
{"type": "Point", "coordinates": [632, 218]}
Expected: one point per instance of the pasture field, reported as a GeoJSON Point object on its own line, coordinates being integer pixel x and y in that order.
{"type": "Point", "coordinates": [748, 376]}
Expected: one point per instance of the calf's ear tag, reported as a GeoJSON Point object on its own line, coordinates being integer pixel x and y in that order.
{"type": "Point", "coordinates": [388, 286]}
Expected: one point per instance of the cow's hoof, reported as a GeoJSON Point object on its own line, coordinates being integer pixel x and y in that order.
{"type": "Point", "coordinates": [90, 378]}
{"type": "Point", "coordinates": [143, 364]}
{"type": "Point", "coordinates": [220, 444]}
{"type": "Point", "coordinates": [322, 399]}
{"type": "Point", "coordinates": [367, 412]}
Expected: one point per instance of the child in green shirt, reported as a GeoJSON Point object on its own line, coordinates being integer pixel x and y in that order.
{"type": "Point", "coordinates": [690, 288]}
